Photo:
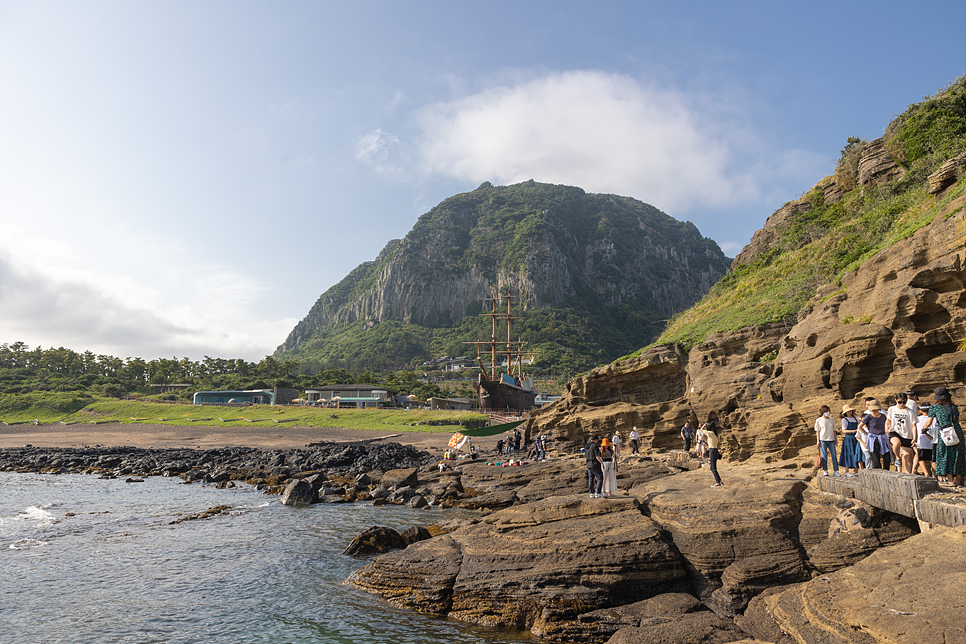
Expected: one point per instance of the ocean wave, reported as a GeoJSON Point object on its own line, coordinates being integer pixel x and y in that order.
{"type": "Point", "coordinates": [35, 515]}
{"type": "Point", "coordinates": [26, 544]}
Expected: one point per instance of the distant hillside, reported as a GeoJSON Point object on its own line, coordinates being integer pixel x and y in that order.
{"type": "Point", "coordinates": [597, 276]}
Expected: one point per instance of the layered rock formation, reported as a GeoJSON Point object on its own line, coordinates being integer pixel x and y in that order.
{"type": "Point", "coordinates": [532, 565]}
{"type": "Point", "coordinates": [897, 322]}
{"type": "Point", "coordinates": [673, 560]}
{"type": "Point", "coordinates": [907, 593]}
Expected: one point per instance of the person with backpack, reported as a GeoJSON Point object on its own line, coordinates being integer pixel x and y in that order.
{"type": "Point", "coordinates": [595, 470]}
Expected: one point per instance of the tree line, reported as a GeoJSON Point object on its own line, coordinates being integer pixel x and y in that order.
{"type": "Point", "coordinates": [25, 370]}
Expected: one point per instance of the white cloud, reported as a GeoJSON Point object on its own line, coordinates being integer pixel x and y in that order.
{"type": "Point", "coordinates": [108, 313]}
{"type": "Point", "coordinates": [374, 148]}
{"type": "Point", "coordinates": [602, 132]}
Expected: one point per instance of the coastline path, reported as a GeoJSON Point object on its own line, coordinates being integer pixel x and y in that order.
{"type": "Point", "coordinates": [207, 437]}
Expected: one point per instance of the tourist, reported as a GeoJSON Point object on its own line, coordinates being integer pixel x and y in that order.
{"type": "Point", "coordinates": [711, 432]}
{"type": "Point", "coordinates": [686, 436]}
{"type": "Point", "coordinates": [635, 439]}
{"type": "Point", "coordinates": [825, 439]}
{"type": "Point", "coordinates": [851, 455]}
{"type": "Point", "coordinates": [950, 459]}
{"type": "Point", "coordinates": [874, 423]}
{"type": "Point", "coordinates": [912, 402]}
{"type": "Point", "coordinates": [926, 429]}
{"type": "Point", "coordinates": [701, 441]}
{"type": "Point", "coordinates": [608, 459]}
{"type": "Point", "coordinates": [595, 472]}
{"type": "Point", "coordinates": [615, 442]}
{"type": "Point", "coordinates": [901, 427]}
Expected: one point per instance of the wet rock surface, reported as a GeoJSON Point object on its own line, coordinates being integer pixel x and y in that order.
{"type": "Point", "coordinates": [227, 462]}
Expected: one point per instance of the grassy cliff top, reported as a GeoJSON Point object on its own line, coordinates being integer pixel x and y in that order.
{"type": "Point", "coordinates": [824, 241]}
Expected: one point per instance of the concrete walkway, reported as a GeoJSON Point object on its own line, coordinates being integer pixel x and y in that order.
{"type": "Point", "coordinates": [910, 495]}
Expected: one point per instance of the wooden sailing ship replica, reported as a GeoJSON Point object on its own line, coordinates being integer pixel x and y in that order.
{"type": "Point", "coordinates": [503, 390]}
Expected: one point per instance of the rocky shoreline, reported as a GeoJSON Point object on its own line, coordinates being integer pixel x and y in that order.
{"type": "Point", "coordinates": [270, 468]}
{"type": "Point", "coordinates": [768, 558]}
{"type": "Point", "coordinates": [672, 560]}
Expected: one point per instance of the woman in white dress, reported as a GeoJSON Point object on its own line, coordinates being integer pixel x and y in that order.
{"type": "Point", "coordinates": [608, 459]}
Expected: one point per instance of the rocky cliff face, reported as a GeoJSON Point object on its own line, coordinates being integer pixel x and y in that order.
{"type": "Point", "coordinates": [898, 321]}
{"type": "Point", "coordinates": [553, 246]}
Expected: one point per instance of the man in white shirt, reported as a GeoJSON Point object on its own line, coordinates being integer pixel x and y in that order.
{"type": "Point", "coordinates": [901, 428]}
{"type": "Point", "coordinates": [635, 439]}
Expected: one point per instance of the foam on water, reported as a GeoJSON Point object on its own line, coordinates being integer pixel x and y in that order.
{"type": "Point", "coordinates": [26, 544]}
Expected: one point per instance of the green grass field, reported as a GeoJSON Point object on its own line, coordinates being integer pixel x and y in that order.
{"type": "Point", "coordinates": [53, 408]}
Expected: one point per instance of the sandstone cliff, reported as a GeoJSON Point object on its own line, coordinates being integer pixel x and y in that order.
{"type": "Point", "coordinates": [876, 255]}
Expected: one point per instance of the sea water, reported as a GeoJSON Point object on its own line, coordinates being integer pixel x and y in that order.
{"type": "Point", "coordinates": [94, 560]}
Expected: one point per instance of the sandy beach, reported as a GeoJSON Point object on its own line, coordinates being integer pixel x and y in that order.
{"type": "Point", "coordinates": [162, 436]}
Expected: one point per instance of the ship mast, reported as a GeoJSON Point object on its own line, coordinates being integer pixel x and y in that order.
{"type": "Point", "coordinates": [514, 350]}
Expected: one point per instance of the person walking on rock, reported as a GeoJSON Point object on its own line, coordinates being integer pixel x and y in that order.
{"type": "Point", "coordinates": [851, 455]}
{"type": "Point", "coordinates": [711, 433]}
{"type": "Point", "coordinates": [595, 472]}
{"type": "Point", "coordinates": [825, 439]}
{"type": "Point", "coordinates": [635, 438]}
{"type": "Point", "coordinates": [686, 436]}
{"type": "Point", "coordinates": [950, 459]}
{"type": "Point", "coordinates": [874, 423]}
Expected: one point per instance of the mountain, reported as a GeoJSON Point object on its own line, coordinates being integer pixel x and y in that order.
{"type": "Point", "coordinates": [596, 277]}
{"type": "Point", "coordinates": [856, 289]}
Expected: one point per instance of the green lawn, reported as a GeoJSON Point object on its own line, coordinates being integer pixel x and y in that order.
{"type": "Point", "coordinates": [70, 409]}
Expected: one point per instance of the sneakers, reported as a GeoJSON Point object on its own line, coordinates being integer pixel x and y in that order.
{"type": "Point", "coordinates": [836, 473]}
{"type": "Point", "coordinates": [824, 473]}
{"type": "Point", "coordinates": [717, 485]}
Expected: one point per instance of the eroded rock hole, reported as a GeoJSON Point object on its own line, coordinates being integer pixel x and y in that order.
{"type": "Point", "coordinates": [827, 372]}
{"type": "Point", "coordinates": [929, 315]}
{"type": "Point", "coordinates": [939, 282]}
{"type": "Point", "coordinates": [870, 371]}
{"type": "Point", "coordinates": [920, 354]}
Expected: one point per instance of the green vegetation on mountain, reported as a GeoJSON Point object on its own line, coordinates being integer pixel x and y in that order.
{"type": "Point", "coordinates": [596, 275]}
{"type": "Point", "coordinates": [827, 238]}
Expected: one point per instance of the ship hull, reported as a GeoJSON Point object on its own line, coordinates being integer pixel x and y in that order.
{"type": "Point", "coordinates": [499, 396]}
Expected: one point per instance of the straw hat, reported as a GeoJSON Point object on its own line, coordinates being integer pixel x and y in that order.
{"type": "Point", "coordinates": [874, 404]}
{"type": "Point", "coordinates": [847, 408]}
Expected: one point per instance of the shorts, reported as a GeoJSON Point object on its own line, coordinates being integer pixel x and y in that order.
{"type": "Point", "coordinates": [924, 455]}
{"type": "Point", "coordinates": [903, 442]}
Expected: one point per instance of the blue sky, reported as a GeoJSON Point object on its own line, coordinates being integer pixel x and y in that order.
{"type": "Point", "coordinates": [186, 178]}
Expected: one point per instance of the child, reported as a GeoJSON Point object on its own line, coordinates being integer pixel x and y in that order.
{"type": "Point", "coordinates": [924, 451]}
